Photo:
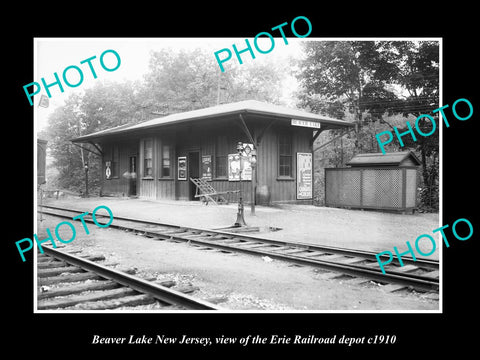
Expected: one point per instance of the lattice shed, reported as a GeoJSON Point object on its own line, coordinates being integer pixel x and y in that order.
{"type": "Point", "coordinates": [374, 181]}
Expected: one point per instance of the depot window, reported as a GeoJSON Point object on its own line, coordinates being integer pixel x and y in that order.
{"type": "Point", "coordinates": [221, 156]}
{"type": "Point", "coordinates": [112, 159]}
{"type": "Point", "coordinates": [148, 158]}
{"type": "Point", "coordinates": [166, 161]}
{"type": "Point", "coordinates": [285, 155]}
{"type": "Point", "coordinates": [115, 161]}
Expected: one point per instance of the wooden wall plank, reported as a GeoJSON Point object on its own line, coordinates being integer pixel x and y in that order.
{"type": "Point", "coordinates": [201, 137]}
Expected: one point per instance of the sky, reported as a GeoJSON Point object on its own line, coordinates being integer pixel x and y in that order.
{"type": "Point", "coordinates": [55, 54]}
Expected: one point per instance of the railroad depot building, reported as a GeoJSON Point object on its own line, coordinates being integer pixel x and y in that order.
{"type": "Point", "coordinates": [156, 159]}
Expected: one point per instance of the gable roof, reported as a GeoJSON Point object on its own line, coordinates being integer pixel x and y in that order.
{"type": "Point", "coordinates": [241, 107]}
{"type": "Point", "coordinates": [392, 159]}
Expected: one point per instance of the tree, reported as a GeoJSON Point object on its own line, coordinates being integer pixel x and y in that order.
{"type": "Point", "coordinates": [374, 79]}
{"type": "Point", "coordinates": [337, 76]}
{"type": "Point", "coordinates": [64, 124]}
{"type": "Point", "coordinates": [417, 71]}
{"type": "Point", "coordinates": [259, 81]}
{"type": "Point", "coordinates": [103, 106]}
{"type": "Point", "coordinates": [187, 80]}
{"type": "Point", "coordinates": [110, 104]}
{"type": "Point", "coordinates": [176, 81]}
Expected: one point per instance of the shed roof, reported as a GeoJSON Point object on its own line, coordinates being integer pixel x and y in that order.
{"type": "Point", "coordinates": [391, 159]}
{"type": "Point", "coordinates": [241, 107]}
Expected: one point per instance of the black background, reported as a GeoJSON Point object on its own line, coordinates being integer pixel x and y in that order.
{"type": "Point", "coordinates": [71, 334]}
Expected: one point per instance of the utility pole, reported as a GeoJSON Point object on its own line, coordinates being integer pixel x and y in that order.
{"type": "Point", "coordinates": [240, 219]}
{"type": "Point", "coordinates": [86, 178]}
{"type": "Point", "coordinates": [218, 88]}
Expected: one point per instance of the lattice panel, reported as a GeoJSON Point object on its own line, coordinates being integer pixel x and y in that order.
{"type": "Point", "coordinates": [411, 188]}
{"type": "Point", "coordinates": [343, 188]}
{"type": "Point", "coordinates": [331, 188]}
{"type": "Point", "coordinates": [382, 188]}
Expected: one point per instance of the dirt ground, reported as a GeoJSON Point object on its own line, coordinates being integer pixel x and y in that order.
{"type": "Point", "coordinates": [238, 281]}
{"type": "Point", "coordinates": [353, 229]}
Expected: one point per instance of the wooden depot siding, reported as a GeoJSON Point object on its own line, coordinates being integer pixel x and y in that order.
{"type": "Point", "coordinates": [282, 189]}
{"type": "Point", "coordinates": [202, 138]}
{"type": "Point", "coordinates": [118, 183]}
{"type": "Point", "coordinates": [146, 184]}
{"type": "Point", "coordinates": [166, 184]}
{"type": "Point", "coordinates": [156, 186]}
{"type": "Point", "coordinates": [215, 131]}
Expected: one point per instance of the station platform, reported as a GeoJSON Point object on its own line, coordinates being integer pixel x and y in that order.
{"type": "Point", "coordinates": [353, 229]}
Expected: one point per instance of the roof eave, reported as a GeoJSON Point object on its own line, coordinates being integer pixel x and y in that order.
{"type": "Point", "coordinates": [300, 117]}
{"type": "Point", "coordinates": [331, 122]}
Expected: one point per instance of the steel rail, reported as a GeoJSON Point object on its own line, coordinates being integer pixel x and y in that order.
{"type": "Point", "coordinates": [426, 263]}
{"type": "Point", "coordinates": [159, 292]}
{"type": "Point", "coordinates": [418, 281]}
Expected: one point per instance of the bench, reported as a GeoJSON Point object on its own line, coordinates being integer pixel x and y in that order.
{"type": "Point", "coordinates": [207, 193]}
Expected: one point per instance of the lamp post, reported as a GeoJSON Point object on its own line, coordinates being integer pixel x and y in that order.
{"type": "Point", "coordinates": [253, 164]}
{"type": "Point", "coordinates": [240, 220]}
{"type": "Point", "coordinates": [245, 152]}
{"type": "Point", "coordinates": [85, 167]}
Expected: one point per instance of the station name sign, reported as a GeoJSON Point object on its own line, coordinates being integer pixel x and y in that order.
{"type": "Point", "coordinates": [305, 123]}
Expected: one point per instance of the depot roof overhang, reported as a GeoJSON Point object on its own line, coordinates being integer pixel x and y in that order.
{"type": "Point", "coordinates": [252, 107]}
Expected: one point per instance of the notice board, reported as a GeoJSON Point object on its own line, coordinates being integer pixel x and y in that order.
{"type": "Point", "coordinates": [304, 176]}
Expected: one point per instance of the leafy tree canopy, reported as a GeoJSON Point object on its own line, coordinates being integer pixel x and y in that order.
{"type": "Point", "coordinates": [176, 81]}
{"type": "Point", "coordinates": [373, 80]}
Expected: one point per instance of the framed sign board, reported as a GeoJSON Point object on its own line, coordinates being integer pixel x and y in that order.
{"type": "Point", "coordinates": [305, 123]}
{"type": "Point", "coordinates": [234, 168]}
{"type": "Point", "coordinates": [207, 167]}
{"type": "Point", "coordinates": [108, 170]}
{"type": "Point", "coordinates": [304, 176]}
{"type": "Point", "coordinates": [182, 168]}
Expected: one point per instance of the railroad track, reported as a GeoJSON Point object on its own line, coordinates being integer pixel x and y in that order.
{"type": "Point", "coordinates": [420, 275]}
{"type": "Point", "coordinates": [67, 281]}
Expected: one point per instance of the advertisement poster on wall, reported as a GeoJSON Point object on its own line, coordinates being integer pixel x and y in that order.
{"type": "Point", "coordinates": [234, 168]}
{"type": "Point", "coordinates": [207, 167]}
{"type": "Point", "coordinates": [304, 176]}
{"type": "Point", "coordinates": [182, 168]}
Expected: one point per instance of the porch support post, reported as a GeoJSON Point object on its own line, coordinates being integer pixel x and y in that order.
{"type": "Point", "coordinates": [253, 140]}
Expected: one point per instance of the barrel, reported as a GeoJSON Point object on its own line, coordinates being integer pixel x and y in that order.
{"type": "Point", "coordinates": [263, 195]}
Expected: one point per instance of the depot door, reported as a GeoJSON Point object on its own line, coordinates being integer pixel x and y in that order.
{"type": "Point", "coordinates": [132, 169]}
{"type": "Point", "coordinates": [193, 172]}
